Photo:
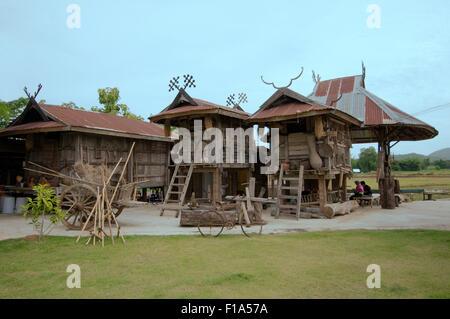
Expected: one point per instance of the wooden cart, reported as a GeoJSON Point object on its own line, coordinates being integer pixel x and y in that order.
{"type": "Point", "coordinates": [79, 194]}
{"type": "Point", "coordinates": [79, 200]}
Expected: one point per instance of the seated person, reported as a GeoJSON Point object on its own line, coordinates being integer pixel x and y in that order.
{"type": "Point", "coordinates": [359, 191]}
{"type": "Point", "coordinates": [367, 189]}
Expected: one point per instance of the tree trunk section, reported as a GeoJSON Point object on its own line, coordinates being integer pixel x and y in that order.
{"type": "Point", "coordinates": [331, 210]}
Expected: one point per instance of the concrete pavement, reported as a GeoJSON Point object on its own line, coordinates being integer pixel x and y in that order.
{"type": "Point", "coordinates": [146, 221]}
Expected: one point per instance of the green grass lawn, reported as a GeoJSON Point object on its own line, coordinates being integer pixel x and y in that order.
{"type": "Point", "coordinates": [414, 264]}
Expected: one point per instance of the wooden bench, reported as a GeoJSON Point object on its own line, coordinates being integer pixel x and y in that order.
{"type": "Point", "coordinates": [428, 195]}
{"type": "Point", "coordinates": [368, 200]}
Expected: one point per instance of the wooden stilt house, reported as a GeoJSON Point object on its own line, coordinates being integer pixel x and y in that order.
{"type": "Point", "coordinates": [313, 136]}
{"type": "Point", "coordinates": [209, 181]}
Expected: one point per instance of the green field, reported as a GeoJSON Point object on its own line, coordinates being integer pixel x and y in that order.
{"type": "Point", "coordinates": [414, 264]}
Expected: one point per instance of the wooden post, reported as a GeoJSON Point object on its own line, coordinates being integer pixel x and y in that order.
{"type": "Point", "coordinates": [343, 188]}
{"type": "Point", "coordinates": [217, 187]}
{"type": "Point", "coordinates": [322, 192]}
{"type": "Point", "coordinates": [208, 122]}
{"type": "Point", "coordinates": [386, 183]}
{"type": "Point", "coordinates": [167, 128]}
{"type": "Point", "coordinates": [251, 186]}
{"type": "Point", "coordinates": [318, 127]}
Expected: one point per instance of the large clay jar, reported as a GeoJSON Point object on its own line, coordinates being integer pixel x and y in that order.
{"type": "Point", "coordinates": [314, 158]}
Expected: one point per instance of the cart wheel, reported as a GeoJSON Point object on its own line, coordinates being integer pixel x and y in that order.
{"type": "Point", "coordinates": [211, 224]}
{"type": "Point", "coordinates": [78, 200]}
{"type": "Point", "coordinates": [254, 229]}
{"type": "Point", "coordinates": [117, 210]}
{"type": "Point", "coordinates": [251, 230]}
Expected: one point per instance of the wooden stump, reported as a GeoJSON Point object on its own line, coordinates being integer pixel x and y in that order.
{"type": "Point", "coordinates": [331, 210]}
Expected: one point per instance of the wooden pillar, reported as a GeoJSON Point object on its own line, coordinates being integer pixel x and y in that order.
{"type": "Point", "coordinates": [343, 188]}
{"type": "Point", "coordinates": [208, 122]}
{"type": "Point", "coordinates": [318, 127]}
{"type": "Point", "coordinates": [217, 186]}
{"type": "Point", "coordinates": [77, 147]}
{"type": "Point", "coordinates": [167, 128]}
{"type": "Point", "coordinates": [144, 194]}
{"type": "Point", "coordinates": [322, 192]}
{"type": "Point", "coordinates": [386, 183]}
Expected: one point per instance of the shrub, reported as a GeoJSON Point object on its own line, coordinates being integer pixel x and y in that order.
{"type": "Point", "coordinates": [44, 203]}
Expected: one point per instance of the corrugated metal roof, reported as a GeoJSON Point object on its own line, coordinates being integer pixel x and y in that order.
{"type": "Point", "coordinates": [373, 111]}
{"type": "Point", "coordinates": [32, 126]}
{"type": "Point", "coordinates": [287, 103]}
{"type": "Point", "coordinates": [202, 106]}
{"type": "Point", "coordinates": [59, 116]}
{"type": "Point", "coordinates": [287, 109]}
{"type": "Point", "coordinates": [359, 102]}
{"type": "Point", "coordinates": [102, 121]}
{"type": "Point", "coordinates": [184, 103]}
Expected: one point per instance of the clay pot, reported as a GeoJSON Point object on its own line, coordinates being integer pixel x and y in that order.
{"type": "Point", "coordinates": [314, 158]}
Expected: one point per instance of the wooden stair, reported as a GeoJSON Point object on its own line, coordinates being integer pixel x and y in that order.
{"type": "Point", "coordinates": [291, 207]}
{"type": "Point", "coordinates": [177, 181]}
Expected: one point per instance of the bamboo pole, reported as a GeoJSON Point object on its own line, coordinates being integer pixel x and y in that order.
{"type": "Point", "coordinates": [61, 176]}
{"type": "Point", "coordinates": [121, 175]}
{"type": "Point", "coordinates": [113, 171]}
{"type": "Point", "coordinates": [87, 221]}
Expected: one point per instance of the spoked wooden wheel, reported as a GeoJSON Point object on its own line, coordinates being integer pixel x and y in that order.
{"type": "Point", "coordinates": [211, 224]}
{"type": "Point", "coordinates": [254, 229]}
{"type": "Point", "coordinates": [78, 200]}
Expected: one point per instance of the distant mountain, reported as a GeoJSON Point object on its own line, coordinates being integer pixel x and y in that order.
{"type": "Point", "coordinates": [409, 155]}
{"type": "Point", "coordinates": [440, 154]}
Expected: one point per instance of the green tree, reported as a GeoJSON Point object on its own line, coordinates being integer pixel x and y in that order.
{"type": "Point", "coordinates": [109, 98]}
{"type": "Point", "coordinates": [368, 159]}
{"type": "Point", "coordinates": [442, 164]}
{"type": "Point", "coordinates": [72, 105]}
{"type": "Point", "coordinates": [425, 163]}
{"type": "Point", "coordinates": [355, 163]}
{"type": "Point", "coordinates": [10, 110]}
{"type": "Point", "coordinates": [410, 164]}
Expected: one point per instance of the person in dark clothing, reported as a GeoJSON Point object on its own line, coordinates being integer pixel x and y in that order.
{"type": "Point", "coordinates": [367, 189]}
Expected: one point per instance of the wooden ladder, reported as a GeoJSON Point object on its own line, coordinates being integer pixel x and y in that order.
{"type": "Point", "coordinates": [289, 208]}
{"type": "Point", "coordinates": [177, 182]}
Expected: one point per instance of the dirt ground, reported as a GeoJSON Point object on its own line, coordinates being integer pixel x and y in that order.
{"type": "Point", "coordinates": [146, 221]}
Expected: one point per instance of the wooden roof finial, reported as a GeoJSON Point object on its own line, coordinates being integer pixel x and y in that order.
{"type": "Point", "coordinates": [241, 98]}
{"type": "Point", "coordinates": [363, 74]}
{"type": "Point", "coordinates": [282, 87]}
{"type": "Point", "coordinates": [188, 82]}
{"type": "Point", "coordinates": [316, 78]}
{"type": "Point", "coordinates": [35, 93]}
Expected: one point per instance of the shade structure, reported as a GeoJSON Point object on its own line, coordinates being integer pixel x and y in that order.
{"type": "Point", "coordinates": [382, 123]}
{"type": "Point", "coordinates": [350, 95]}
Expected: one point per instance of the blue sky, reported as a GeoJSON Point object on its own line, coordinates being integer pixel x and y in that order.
{"type": "Point", "coordinates": [138, 46]}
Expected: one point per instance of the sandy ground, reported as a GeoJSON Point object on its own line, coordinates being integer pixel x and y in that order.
{"type": "Point", "coordinates": [146, 221]}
